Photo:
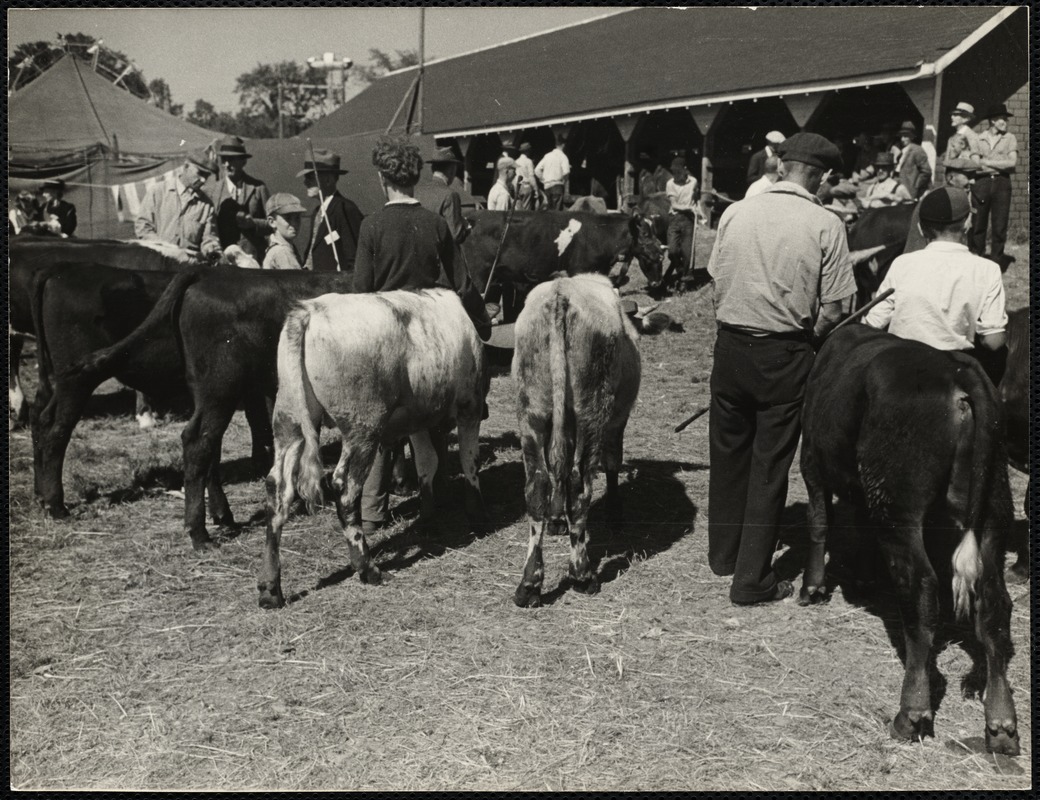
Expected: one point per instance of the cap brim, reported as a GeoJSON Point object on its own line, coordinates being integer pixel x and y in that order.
{"type": "Point", "coordinates": [502, 336]}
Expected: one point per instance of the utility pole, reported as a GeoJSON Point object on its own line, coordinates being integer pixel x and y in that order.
{"type": "Point", "coordinates": [334, 76]}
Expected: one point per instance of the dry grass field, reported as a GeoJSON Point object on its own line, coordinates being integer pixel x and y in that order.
{"type": "Point", "coordinates": [136, 663]}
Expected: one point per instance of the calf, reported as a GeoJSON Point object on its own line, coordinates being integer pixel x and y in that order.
{"type": "Point", "coordinates": [576, 368]}
{"type": "Point", "coordinates": [381, 367]}
{"type": "Point", "coordinates": [912, 436]}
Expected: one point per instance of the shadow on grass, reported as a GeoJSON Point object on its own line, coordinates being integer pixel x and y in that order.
{"type": "Point", "coordinates": [657, 513]}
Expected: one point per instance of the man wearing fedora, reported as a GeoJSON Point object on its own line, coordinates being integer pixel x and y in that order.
{"type": "Point", "coordinates": [915, 173]}
{"type": "Point", "coordinates": [961, 119]}
{"type": "Point", "coordinates": [336, 221]}
{"type": "Point", "coordinates": [54, 205]}
{"type": "Point", "coordinates": [439, 196]}
{"type": "Point", "coordinates": [886, 190]}
{"type": "Point", "coordinates": [239, 200]}
{"type": "Point", "coordinates": [179, 212]}
{"type": "Point", "coordinates": [998, 151]}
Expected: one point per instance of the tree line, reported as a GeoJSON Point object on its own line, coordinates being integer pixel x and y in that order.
{"type": "Point", "coordinates": [300, 101]}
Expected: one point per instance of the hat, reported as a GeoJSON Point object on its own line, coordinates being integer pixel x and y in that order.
{"type": "Point", "coordinates": [324, 161]}
{"type": "Point", "coordinates": [503, 163]}
{"type": "Point", "coordinates": [998, 111]}
{"type": "Point", "coordinates": [232, 147]}
{"type": "Point", "coordinates": [884, 160]}
{"type": "Point", "coordinates": [964, 109]}
{"type": "Point", "coordinates": [811, 149]}
{"type": "Point", "coordinates": [677, 162]}
{"type": "Point", "coordinates": [775, 137]}
{"type": "Point", "coordinates": [54, 183]}
{"type": "Point", "coordinates": [443, 155]}
{"type": "Point", "coordinates": [203, 162]}
{"type": "Point", "coordinates": [525, 147]}
{"type": "Point", "coordinates": [283, 203]}
{"type": "Point", "coordinates": [945, 206]}
{"type": "Point", "coordinates": [908, 128]}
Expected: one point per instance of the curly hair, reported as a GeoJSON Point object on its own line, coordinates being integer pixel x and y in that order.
{"type": "Point", "coordinates": [398, 160]}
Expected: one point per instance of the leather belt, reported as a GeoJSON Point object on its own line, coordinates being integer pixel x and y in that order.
{"type": "Point", "coordinates": [790, 336]}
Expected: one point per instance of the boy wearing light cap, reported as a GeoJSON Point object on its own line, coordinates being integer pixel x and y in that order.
{"type": "Point", "coordinates": [945, 296]}
{"type": "Point", "coordinates": [283, 215]}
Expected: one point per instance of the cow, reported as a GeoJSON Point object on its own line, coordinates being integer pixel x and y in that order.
{"type": "Point", "coordinates": [1013, 390]}
{"type": "Point", "coordinates": [912, 437]}
{"type": "Point", "coordinates": [885, 228]}
{"type": "Point", "coordinates": [576, 369]}
{"type": "Point", "coordinates": [381, 367]}
{"type": "Point", "coordinates": [539, 243]}
{"type": "Point", "coordinates": [226, 324]}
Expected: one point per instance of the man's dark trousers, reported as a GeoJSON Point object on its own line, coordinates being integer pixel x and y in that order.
{"type": "Point", "coordinates": [680, 244]}
{"type": "Point", "coordinates": [992, 201]}
{"type": "Point", "coordinates": [757, 387]}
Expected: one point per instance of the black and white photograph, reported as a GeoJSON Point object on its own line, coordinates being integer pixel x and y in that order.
{"type": "Point", "coordinates": [519, 398]}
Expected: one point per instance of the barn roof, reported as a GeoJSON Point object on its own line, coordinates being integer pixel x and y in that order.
{"type": "Point", "coordinates": [71, 108]}
{"type": "Point", "coordinates": [649, 58]}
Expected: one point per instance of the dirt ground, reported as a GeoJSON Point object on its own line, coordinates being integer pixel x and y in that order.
{"type": "Point", "coordinates": [136, 663]}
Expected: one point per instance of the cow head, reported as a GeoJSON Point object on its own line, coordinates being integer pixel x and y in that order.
{"type": "Point", "coordinates": [646, 248]}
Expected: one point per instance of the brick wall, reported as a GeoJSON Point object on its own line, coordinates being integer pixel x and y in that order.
{"type": "Point", "coordinates": [1018, 104]}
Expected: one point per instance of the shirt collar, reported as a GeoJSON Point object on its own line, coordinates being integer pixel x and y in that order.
{"type": "Point", "coordinates": [789, 187]}
{"type": "Point", "coordinates": [276, 239]}
{"type": "Point", "coordinates": [947, 247]}
{"type": "Point", "coordinates": [404, 201]}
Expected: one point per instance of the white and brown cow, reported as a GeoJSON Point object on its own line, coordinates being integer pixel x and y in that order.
{"type": "Point", "coordinates": [576, 368]}
{"type": "Point", "coordinates": [381, 367]}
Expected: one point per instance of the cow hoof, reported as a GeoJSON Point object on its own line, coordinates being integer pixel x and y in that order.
{"type": "Point", "coordinates": [146, 420]}
{"type": "Point", "coordinates": [269, 600]}
{"type": "Point", "coordinates": [1003, 740]}
{"type": "Point", "coordinates": [202, 543]}
{"type": "Point", "coordinates": [912, 727]}
{"type": "Point", "coordinates": [1019, 571]}
{"type": "Point", "coordinates": [371, 576]}
{"type": "Point", "coordinates": [57, 511]}
{"type": "Point", "coordinates": [587, 586]}
{"type": "Point", "coordinates": [812, 595]}
{"type": "Point", "coordinates": [528, 596]}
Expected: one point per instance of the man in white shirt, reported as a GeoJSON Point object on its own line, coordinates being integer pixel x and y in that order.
{"type": "Point", "coordinates": [553, 171]}
{"type": "Point", "coordinates": [945, 296]}
{"type": "Point", "coordinates": [524, 188]}
{"type": "Point", "coordinates": [681, 191]}
{"type": "Point", "coordinates": [500, 198]}
{"type": "Point", "coordinates": [769, 177]}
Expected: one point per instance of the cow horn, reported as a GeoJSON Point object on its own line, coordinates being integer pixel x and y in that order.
{"type": "Point", "coordinates": [859, 256]}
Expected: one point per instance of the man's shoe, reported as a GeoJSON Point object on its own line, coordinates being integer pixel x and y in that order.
{"type": "Point", "coordinates": [783, 590]}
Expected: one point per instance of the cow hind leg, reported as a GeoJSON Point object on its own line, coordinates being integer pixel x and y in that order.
{"type": "Point", "coordinates": [259, 418]}
{"type": "Point", "coordinates": [469, 456]}
{"type": "Point", "coordinates": [201, 441]}
{"type": "Point", "coordinates": [820, 513]}
{"type": "Point", "coordinates": [613, 450]}
{"type": "Point", "coordinates": [349, 478]}
{"type": "Point", "coordinates": [580, 570]}
{"type": "Point", "coordinates": [537, 488]}
{"type": "Point", "coordinates": [55, 414]}
{"type": "Point", "coordinates": [916, 588]}
{"type": "Point", "coordinates": [993, 628]}
{"type": "Point", "coordinates": [280, 496]}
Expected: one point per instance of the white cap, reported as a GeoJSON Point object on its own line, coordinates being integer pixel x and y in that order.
{"type": "Point", "coordinates": [504, 162]}
{"type": "Point", "coordinates": [775, 137]}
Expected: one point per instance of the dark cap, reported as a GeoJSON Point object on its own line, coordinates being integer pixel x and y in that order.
{"type": "Point", "coordinates": [323, 161]}
{"type": "Point", "coordinates": [231, 147]}
{"type": "Point", "coordinates": [884, 160]}
{"type": "Point", "coordinates": [678, 162]}
{"type": "Point", "coordinates": [945, 206]}
{"type": "Point", "coordinates": [811, 149]}
{"type": "Point", "coordinates": [998, 111]}
{"type": "Point", "coordinates": [908, 128]}
{"type": "Point", "coordinates": [203, 162]}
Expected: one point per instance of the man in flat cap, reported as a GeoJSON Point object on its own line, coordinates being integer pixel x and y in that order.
{"type": "Point", "coordinates": [336, 222]}
{"type": "Point", "coordinates": [179, 212]}
{"type": "Point", "coordinates": [782, 277]}
{"type": "Point", "coordinates": [757, 165]}
{"type": "Point", "coordinates": [284, 212]}
{"type": "Point", "coordinates": [52, 193]}
{"type": "Point", "coordinates": [439, 195]}
{"type": "Point", "coordinates": [998, 151]}
{"type": "Point", "coordinates": [945, 296]}
{"type": "Point", "coordinates": [239, 200]}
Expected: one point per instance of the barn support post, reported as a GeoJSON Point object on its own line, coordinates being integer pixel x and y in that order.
{"type": "Point", "coordinates": [467, 178]}
{"type": "Point", "coordinates": [803, 107]}
{"type": "Point", "coordinates": [707, 119]}
{"type": "Point", "coordinates": [925, 94]}
{"type": "Point", "coordinates": [626, 183]}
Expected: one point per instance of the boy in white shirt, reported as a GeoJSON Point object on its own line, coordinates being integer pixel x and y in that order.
{"type": "Point", "coordinates": [944, 295]}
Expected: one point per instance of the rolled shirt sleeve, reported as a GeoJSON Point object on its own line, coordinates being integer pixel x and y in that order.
{"type": "Point", "coordinates": [837, 280]}
{"type": "Point", "coordinates": [992, 313]}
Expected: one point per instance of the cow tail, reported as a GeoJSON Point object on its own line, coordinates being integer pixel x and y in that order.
{"type": "Point", "coordinates": [558, 456]}
{"type": "Point", "coordinates": [300, 467]}
{"type": "Point", "coordinates": [109, 360]}
{"type": "Point", "coordinates": [43, 354]}
{"type": "Point", "coordinates": [967, 559]}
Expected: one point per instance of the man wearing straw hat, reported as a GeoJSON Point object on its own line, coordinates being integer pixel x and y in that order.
{"type": "Point", "coordinates": [438, 195]}
{"type": "Point", "coordinates": [336, 221]}
{"type": "Point", "coordinates": [961, 118]}
{"type": "Point", "coordinates": [179, 212]}
{"type": "Point", "coordinates": [239, 200]}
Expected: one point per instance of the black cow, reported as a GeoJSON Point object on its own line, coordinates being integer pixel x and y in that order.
{"type": "Point", "coordinates": [227, 323]}
{"type": "Point", "coordinates": [911, 436]}
{"type": "Point", "coordinates": [539, 243]}
{"type": "Point", "coordinates": [878, 227]}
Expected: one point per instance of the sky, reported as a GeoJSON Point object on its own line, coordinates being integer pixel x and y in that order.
{"type": "Point", "coordinates": [200, 52]}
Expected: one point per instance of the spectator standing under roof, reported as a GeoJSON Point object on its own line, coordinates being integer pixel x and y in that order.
{"type": "Point", "coordinates": [782, 273]}
{"type": "Point", "coordinates": [682, 195]}
{"type": "Point", "coordinates": [179, 212]}
{"type": "Point", "coordinates": [769, 177]}
{"type": "Point", "coordinates": [284, 212]}
{"type": "Point", "coordinates": [336, 221]}
{"type": "Point", "coordinates": [757, 165]}
{"type": "Point", "coordinates": [961, 118]}
{"type": "Point", "coordinates": [553, 171]}
{"type": "Point", "coordinates": [915, 173]}
{"type": "Point", "coordinates": [998, 151]}
{"type": "Point", "coordinates": [524, 188]}
{"type": "Point", "coordinates": [55, 206]}
{"type": "Point", "coordinates": [500, 197]}
{"type": "Point", "coordinates": [438, 194]}
{"type": "Point", "coordinates": [239, 200]}
{"type": "Point", "coordinates": [886, 190]}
